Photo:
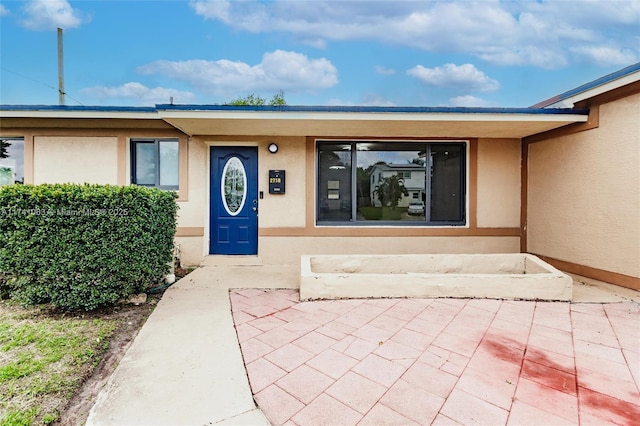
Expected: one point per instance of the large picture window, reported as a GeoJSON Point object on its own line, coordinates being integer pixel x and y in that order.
{"type": "Point", "coordinates": [386, 183]}
{"type": "Point", "coordinates": [155, 162]}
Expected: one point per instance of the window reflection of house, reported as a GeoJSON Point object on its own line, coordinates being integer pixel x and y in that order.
{"type": "Point", "coordinates": [412, 175]}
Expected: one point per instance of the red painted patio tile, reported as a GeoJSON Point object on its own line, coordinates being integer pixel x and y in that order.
{"type": "Point", "coordinates": [551, 359]}
{"type": "Point", "coordinates": [372, 334]}
{"type": "Point", "coordinates": [356, 392]}
{"type": "Point", "coordinates": [266, 323]}
{"type": "Point", "coordinates": [262, 373]}
{"type": "Point", "coordinates": [470, 410]}
{"type": "Point", "coordinates": [490, 305]}
{"type": "Point", "coordinates": [606, 408]}
{"type": "Point", "coordinates": [300, 326]}
{"type": "Point", "coordinates": [608, 385]}
{"type": "Point", "coordinates": [383, 415]}
{"type": "Point", "coordinates": [428, 328]}
{"type": "Point", "coordinates": [330, 331]}
{"type": "Point", "coordinates": [381, 303]}
{"type": "Point", "coordinates": [325, 410]}
{"type": "Point", "coordinates": [314, 342]}
{"type": "Point", "coordinates": [289, 357]}
{"type": "Point", "coordinates": [387, 322]}
{"type": "Point", "coordinates": [431, 379]}
{"type": "Point", "coordinates": [248, 292]}
{"type": "Point", "coordinates": [447, 361]}
{"type": "Point", "coordinates": [442, 420]}
{"type": "Point", "coordinates": [598, 351]}
{"type": "Point", "coordinates": [547, 376]}
{"type": "Point", "coordinates": [321, 316]}
{"type": "Point", "coordinates": [629, 341]}
{"type": "Point", "coordinates": [288, 314]}
{"type": "Point", "coordinates": [412, 339]}
{"type": "Point", "coordinates": [495, 387]}
{"type": "Point", "coordinates": [548, 399]}
{"type": "Point", "coordinates": [245, 331]}
{"type": "Point", "coordinates": [596, 336]}
{"type": "Point", "coordinates": [337, 306]}
{"type": "Point", "coordinates": [553, 315]}
{"type": "Point", "coordinates": [416, 404]}
{"type": "Point", "coordinates": [253, 349]}
{"type": "Point", "coordinates": [260, 311]}
{"type": "Point", "coordinates": [523, 414]}
{"type": "Point", "coordinates": [307, 306]}
{"type": "Point", "coordinates": [496, 355]}
{"type": "Point", "coordinates": [604, 366]}
{"type": "Point", "coordinates": [332, 363]}
{"type": "Point", "coordinates": [277, 405]}
{"type": "Point", "coordinates": [458, 344]}
{"type": "Point", "coordinates": [353, 319]}
{"type": "Point", "coordinates": [240, 317]}
{"type": "Point", "coordinates": [359, 348]}
{"type": "Point", "coordinates": [305, 383]}
{"type": "Point", "coordinates": [394, 351]}
{"type": "Point", "coordinates": [379, 370]}
{"type": "Point", "coordinates": [277, 337]}
{"type": "Point", "coordinates": [560, 343]}
{"type": "Point", "coordinates": [633, 361]}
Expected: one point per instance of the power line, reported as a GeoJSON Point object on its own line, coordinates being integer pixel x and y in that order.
{"type": "Point", "coordinates": [40, 82]}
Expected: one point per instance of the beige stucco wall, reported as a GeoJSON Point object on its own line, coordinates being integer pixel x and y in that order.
{"type": "Point", "coordinates": [584, 193]}
{"type": "Point", "coordinates": [499, 183]}
{"type": "Point", "coordinates": [287, 250]}
{"type": "Point", "coordinates": [283, 210]}
{"type": "Point", "coordinates": [62, 159]}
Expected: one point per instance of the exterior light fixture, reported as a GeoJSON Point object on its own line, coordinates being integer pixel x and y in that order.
{"type": "Point", "coordinates": [273, 148]}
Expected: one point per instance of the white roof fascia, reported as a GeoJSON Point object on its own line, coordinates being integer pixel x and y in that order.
{"type": "Point", "coordinates": [370, 116]}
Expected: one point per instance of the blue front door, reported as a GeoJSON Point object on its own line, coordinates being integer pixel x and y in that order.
{"type": "Point", "coordinates": [234, 200]}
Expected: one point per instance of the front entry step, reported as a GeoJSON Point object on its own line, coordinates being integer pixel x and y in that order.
{"type": "Point", "coordinates": [223, 260]}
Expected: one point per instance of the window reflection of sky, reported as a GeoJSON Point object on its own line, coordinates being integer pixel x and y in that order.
{"type": "Point", "coordinates": [368, 158]}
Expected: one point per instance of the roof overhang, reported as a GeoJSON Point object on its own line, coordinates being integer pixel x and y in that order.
{"type": "Point", "coordinates": [313, 121]}
{"type": "Point", "coordinates": [368, 124]}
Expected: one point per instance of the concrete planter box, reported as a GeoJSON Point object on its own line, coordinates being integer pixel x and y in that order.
{"type": "Point", "coordinates": [494, 276]}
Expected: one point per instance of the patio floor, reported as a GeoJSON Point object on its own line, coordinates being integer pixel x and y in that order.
{"type": "Point", "coordinates": [439, 361]}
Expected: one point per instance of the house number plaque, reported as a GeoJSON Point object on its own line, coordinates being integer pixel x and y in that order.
{"type": "Point", "coordinates": [276, 181]}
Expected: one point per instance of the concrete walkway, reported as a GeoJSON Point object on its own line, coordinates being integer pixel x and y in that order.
{"type": "Point", "coordinates": [185, 367]}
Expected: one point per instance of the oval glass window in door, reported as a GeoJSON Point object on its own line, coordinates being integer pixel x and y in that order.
{"type": "Point", "coordinates": [233, 186]}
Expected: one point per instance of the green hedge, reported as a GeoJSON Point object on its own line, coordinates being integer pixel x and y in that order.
{"type": "Point", "coordinates": [83, 246]}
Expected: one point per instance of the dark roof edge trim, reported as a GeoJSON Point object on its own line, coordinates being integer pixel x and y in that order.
{"type": "Point", "coordinates": [588, 86]}
{"type": "Point", "coordinates": [292, 108]}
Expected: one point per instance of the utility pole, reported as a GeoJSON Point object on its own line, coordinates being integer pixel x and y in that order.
{"type": "Point", "coordinates": [60, 69]}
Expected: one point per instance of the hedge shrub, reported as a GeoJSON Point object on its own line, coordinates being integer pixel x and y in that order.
{"type": "Point", "coordinates": [80, 247]}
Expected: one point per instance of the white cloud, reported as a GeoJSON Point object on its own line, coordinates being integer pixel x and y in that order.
{"type": "Point", "coordinates": [44, 15]}
{"type": "Point", "coordinates": [4, 11]}
{"type": "Point", "coordinates": [468, 101]}
{"type": "Point", "coordinates": [139, 93]}
{"type": "Point", "coordinates": [279, 70]}
{"type": "Point", "coordinates": [464, 78]}
{"type": "Point", "coordinates": [547, 34]}
{"type": "Point", "coordinates": [384, 70]}
{"type": "Point", "coordinates": [603, 55]}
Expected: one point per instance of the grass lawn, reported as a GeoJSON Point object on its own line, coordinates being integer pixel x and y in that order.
{"type": "Point", "coordinates": [44, 358]}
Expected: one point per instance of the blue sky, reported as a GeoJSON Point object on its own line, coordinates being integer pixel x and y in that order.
{"type": "Point", "coordinates": [390, 53]}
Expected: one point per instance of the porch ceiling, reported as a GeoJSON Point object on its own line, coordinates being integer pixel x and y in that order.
{"type": "Point", "coordinates": [461, 125]}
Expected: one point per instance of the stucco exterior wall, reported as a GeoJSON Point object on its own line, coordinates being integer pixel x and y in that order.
{"type": "Point", "coordinates": [62, 159]}
{"type": "Point", "coordinates": [498, 183]}
{"type": "Point", "coordinates": [584, 193]}
{"type": "Point", "coordinates": [287, 250]}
